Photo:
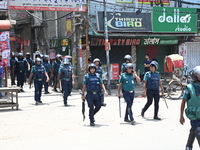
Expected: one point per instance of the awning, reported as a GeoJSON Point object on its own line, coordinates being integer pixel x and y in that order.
{"type": "Point", "coordinates": [5, 25]}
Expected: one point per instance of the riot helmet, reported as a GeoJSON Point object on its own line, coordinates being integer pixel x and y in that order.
{"type": "Point", "coordinates": [92, 65]}
{"type": "Point", "coordinates": [129, 65]}
{"type": "Point", "coordinates": [195, 73]}
{"type": "Point", "coordinates": [127, 57]}
{"type": "Point", "coordinates": [65, 61]}
{"type": "Point", "coordinates": [155, 64]}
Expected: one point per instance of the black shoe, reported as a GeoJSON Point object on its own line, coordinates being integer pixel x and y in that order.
{"type": "Point", "coordinates": [66, 105]}
{"type": "Point", "coordinates": [103, 104]}
{"type": "Point", "coordinates": [36, 103]}
{"type": "Point", "coordinates": [21, 90]}
{"type": "Point", "coordinates": [92, 124]}
{"type": "Point", "coordinates": [39, 101]}
{"type": "Point", "coordinates": [46, 93]}
{"type": "Point", "coordinates": [127, 120]}
{"type": "Point", "coordinates": [142, 113]}
{"type": "Point", "coordinates": [133, 122]}
{"type": "Point", "coordinates": [156, 118]}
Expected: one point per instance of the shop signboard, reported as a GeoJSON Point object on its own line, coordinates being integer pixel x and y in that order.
{"type": "Point", "coordinates": [4, 4]}
{"type": "Point", "coordinates": [159, 40]}
{"type": "Point", "coordinates": [125, 22]}
{"type": "Point", "coordinates": [115, 41]}
{"type": "Point", "coordinates": [174, 20]}
{"type": "Point", "coordinates": [165, 2]}
{"type": "Point", "coordinates": [49, 5]}
{"type": "Point", "coordinates": [5, 46]}
{"type": "Point", "coordinates": [124, 1]}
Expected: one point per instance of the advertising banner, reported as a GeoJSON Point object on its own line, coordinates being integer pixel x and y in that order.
{"type": "Point", "coordinates": [5, 46]}
{"type": "Point", "coordinates": [174, 20]}
{"type": "Point", "coordinates": [49, 5]}
{"type": "Point", "coordinates": [159, 40]}
{"type": "Point", "coordinates": [183, 52]}
{"type": "Point", "coordinates": [4, 4]}
{"type": "Point", "coordinates": [124, 1]}
{"type": "Point", "coordinates": [125, 22]}
{"type": "Point", "coordinates": [165, 2]}
{"type": "Point", "coordinates": [69, 24]}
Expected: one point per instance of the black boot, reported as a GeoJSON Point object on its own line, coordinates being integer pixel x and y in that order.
{"type": "Point", "coordinates": [142, 113]}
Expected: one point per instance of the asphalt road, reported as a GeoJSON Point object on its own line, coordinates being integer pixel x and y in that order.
{"type": "Point", "coordinates": [52, 126]}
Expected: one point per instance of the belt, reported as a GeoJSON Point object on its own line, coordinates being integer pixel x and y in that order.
{"type": "Point", "coordinates": [66, 79]}
{"type": "Point", "coordinates": [38, 79]}
{"type": "Point", "coordinates": [93, 92]}
{"type": "Point", "coordinates": [129, 91]}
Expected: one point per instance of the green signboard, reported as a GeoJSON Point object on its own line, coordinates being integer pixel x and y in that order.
{"type": "Point", "coordinates": [169, 40]}
{"type": "Point", "coordinates": [174, 20]}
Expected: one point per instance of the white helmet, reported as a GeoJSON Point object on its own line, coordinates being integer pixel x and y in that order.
{"type": "Point", "coordinates": [65, 61]}
{"type": "Point", "coordinates": [96, 59]}
{"type": "Point", "coordinates": [195, 73]}
{"type": "Point", "coordinates": [127, 57]}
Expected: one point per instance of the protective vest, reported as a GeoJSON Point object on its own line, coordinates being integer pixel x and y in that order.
{"type": "Point", "coordinates": [56, 66]}
{"type": "Point", "coordinates": [21, 65]}
{"type": "Point", "coordinates": [153, 81]}
{"type": "Point", "coordinates": [12, 62]}
{"type": "Point", "coordinates": [66, 72]}
{"type": "Point", "coordinates": [93, 82]}
{"type": "Point", "coordinates": [99, 71]}
{"type": "Point", "coordinates": [47, 66]}
{"type": "Point", "coordinates": [193, 104]}
{"type": "Point", "coordinates": [39, 74]}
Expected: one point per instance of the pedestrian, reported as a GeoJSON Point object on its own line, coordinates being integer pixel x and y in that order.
{"type": "Point", "coordinates": [147, 62]}
{"type": "Point", "coordinates": [65, 74]}
{"type": "Point", "coordinates": [20, 66]}
{"type": "Point", "coordinates": [191, 96]}
{"type": "Point", "coordinates": [151, 89]}
{"type": "Point", "coordinates": [38, 72]}
{"type": "Point", "coordinates": [126, 82]}
{"type": "Point", "coordinates": [13, 60]}
{"type": "Point", "coordinates": [47, 66]}
{"type": "Point", "coordinates": [92, 83]}
{"type": "Point", "coordinates": [2, 67]}
{"type": "Point", "coordinates": [31, 62]}
{"type": "Point", "coordinates": [54, 71]}
{"type": "Point", "coordinates": [127, 59]}
{"type": "Point", "coordinates": [99, 70]}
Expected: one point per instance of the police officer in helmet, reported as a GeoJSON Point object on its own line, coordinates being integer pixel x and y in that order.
{"type": "Point", "coordinates": [93, 84]}
{"type": "Point", "coordinates": [66, 74]}
{"type": "Point", "coordinates": [191, 96]}
{"type": "Point", "coordinates": [127, 59]}
{"type": "Point", "coordinates": [99, 70]}
{"type": "Point", "coordinates": [54, 71]}
{"type": "Point", "coordinates": [151, 89]}
{"type": "Point", "coordinates": [38, 73]}
{"type": "Point", "coordinates": [47, 66]}
{"type": "Point", "coordinates": [13, 60]}
{"type": "Point", "coordinates": [31, 62]}
{"type": "Point", "coordinates": [20, 66]}
{"type": "Point", "coordinates": [127, 83]}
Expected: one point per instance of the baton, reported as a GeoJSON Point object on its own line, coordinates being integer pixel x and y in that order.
{"type": "Point", "coordinates": [119, 108]}
{"type": "Point", "coordinates": [165, 101]}
{"type": "Point", "coordinates": [83, 105]}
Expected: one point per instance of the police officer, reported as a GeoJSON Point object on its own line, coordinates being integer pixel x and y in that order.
{"type": "Point", "coordinates": [13, 60]}
{"type": "Point", "coordinates": [92, 83]}
{"type": "Point", "coordinates": [192, 97]}
{"type": "Point", "coordinates": [127, 59]}
{"type": "Point", "coordinates": [54, 70]}
{"type": "Point", "coordinates": [99, 70]}
{"type": "Point", "coordinates": [66, 74]}
{"type": "Point", "coordinates": [38, 72]}
{"type": "Point", "coordinates": [31, 62]}
{"type": "Point", "coordinates": [126, 81]}
{"type": "Point", "coordinates": [47, 66]}
{"type": "Point", "coordinates": [151, 89]}
{"type": "Point", "coordinates": [20, 66]}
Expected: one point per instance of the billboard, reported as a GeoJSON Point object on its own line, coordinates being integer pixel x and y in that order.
{"type": "Point", "coordinates": [4, 4]}
{"type": "Point", "coordinates": [174, 20]}
{"type": "Point", "coordinates": [49, 5]}
{"type": "Point", "coordinates": [5, 46]}
{"type": "Point", "coordinates": [125, 22]}
{"type": "Point", "coordinates": [165, 2]}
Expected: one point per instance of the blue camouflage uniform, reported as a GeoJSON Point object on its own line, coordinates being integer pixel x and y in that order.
{"type": "Point", "coordinates": [47, 66]}
{"type": "Point", "coordinates": [66, 77]}
{"type": "Point", "coordinates": [38, 76]}
{"type": "Point", "coordinates": [20, 68]}
{"type": "Point", "coordinates": [128, 88]}
{"type": "Point", "coordinates": [93, 89]}
{"type": "Point", "coordinates": [12, 74]}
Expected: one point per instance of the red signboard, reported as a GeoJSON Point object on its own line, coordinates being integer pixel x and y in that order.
{"type": "Point", "coordinates": [165, 2]}
{"type": "Point", "coordinates": [115, 71]}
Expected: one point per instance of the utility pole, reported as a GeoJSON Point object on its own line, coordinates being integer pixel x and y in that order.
{"type": "Point", "coordinates": [86, 35]}
{"type": "Point", "coordinates": [107, 48]}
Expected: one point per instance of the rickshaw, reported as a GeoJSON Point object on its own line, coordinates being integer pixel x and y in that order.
{"type": "Point", "coordinates": [173, 76]}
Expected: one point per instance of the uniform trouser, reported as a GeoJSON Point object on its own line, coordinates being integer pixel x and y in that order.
{"type": "Point", "coordinates": [1, 80]}
{"type": "Point", "coordinates": [94, 104]}
{"type": "Point", "coordinates": [12, 76]}
{"type": "Point", "coordinates": [55, 81]}
{"type": "Point", "coordinates": [66, 86]}
{"type": "Point", "coordinates": [152, 94]}
{"type": "Point", "coordinates": [129, 97]}
{"type": "Point", "coordinates": [38, 89]}
{"type": "Point", "coordinates": [191, 138]}
{"type": "Point", "coordinates": [46, 84]}
{"type": "Point", "coordinates": [20, 78]}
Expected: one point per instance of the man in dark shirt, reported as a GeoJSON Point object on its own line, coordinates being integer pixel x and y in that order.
{"type": "Point", "coordinates": [147, 63]}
